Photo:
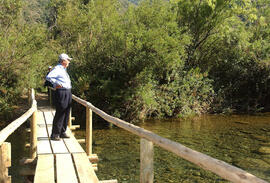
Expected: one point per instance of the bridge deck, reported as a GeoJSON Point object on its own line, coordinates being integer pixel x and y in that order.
{"type": "Point", "coordinates": [62, 161]}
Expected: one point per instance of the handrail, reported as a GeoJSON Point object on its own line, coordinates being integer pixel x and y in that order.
{"type": "Point", "coordinates": [216, 166]}
{"type": "Point", "coordinates": [4, 134]}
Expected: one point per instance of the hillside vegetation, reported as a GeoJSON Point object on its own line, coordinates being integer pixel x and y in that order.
{"type": "Point", "coordinates": [135, 60]}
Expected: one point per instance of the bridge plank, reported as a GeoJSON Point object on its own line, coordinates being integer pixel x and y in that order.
{"type": "Point", "coordinates": [40, 118]}
{"type": "Point", "coordinates": [44, 169]}
{"type": "Point", "coordinates": [72, 144]}
{"type": "Point", "coordinates": [41, 126]}
{"type": "Point", "coordinates": [49, 128]}
{"type": "Point", "coordinates": [43, 147]}
{"type": "Point", "coordinates": [65, 171]}
{"type": "Point", "coordinates": [48, 117]}
{"type": "Point", "coordinates": [42, 131]}
{"type": "Point", "coordinates": [59, 147]}
{"type": "Point", "coordinates": [84, 168]}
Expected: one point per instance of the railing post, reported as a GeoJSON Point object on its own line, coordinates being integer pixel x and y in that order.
{"type": "Point", "coordinates": [29, 97]}
{"type": "Point", "coordinates": [147, 161]}
{"type": "Point", "coordinates": [33, 137]}
{"type": "Point", "coordinates": [70, 119]}
{"type": "Point", "coordinates": [88, 131]}
{"type": "Point", "coordinates": [5, 162]}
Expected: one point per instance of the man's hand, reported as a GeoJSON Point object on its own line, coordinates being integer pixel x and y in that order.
{"type": "Point", "coordinates": [58, 86]}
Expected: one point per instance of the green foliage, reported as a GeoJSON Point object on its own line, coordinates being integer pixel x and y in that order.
{"type": "Point", "coordinates": [230, 40]}
{"type": "Point", "coordinates": [153, 59]}
{"type": "Point", "coordinates": [23, 54]}
{"type": "Point", "coordinates": [139, 59]}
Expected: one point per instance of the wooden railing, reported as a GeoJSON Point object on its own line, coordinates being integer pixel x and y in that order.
{"type": "Point", "coordinates": [5, 147]}
{"type": "Point", "coordinates": [149, 138]}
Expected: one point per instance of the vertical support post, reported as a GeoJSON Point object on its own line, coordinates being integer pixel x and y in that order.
{"type": "Point", "coordinates": [33, 137]}
{"type": "Point", "coordinates": [29, 97]}
{"type": "Point", "coordinates": [5, 162]}
{"type": "Point", "coordinates": [70, 119]}
{"type": "Point", "coordinates": [88, 131]}
{"type": "Point", "coordinates": [147, 161]}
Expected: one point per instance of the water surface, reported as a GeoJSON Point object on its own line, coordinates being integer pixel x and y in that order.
{"type": "Point", "coordinates": [240, 140]}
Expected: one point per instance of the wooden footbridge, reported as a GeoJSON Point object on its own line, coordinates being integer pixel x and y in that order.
{"type": "Point", "coordinates": [65, 161]}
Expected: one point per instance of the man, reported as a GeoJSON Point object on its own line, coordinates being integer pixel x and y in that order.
{"type": "Point", "coordinates": [63, 97]}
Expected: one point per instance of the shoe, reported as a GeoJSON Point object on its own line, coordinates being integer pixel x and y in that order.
{"type": "Point", "coordinates": [64, 136]}
{"type": "Point", "coordinates": [57, 138]}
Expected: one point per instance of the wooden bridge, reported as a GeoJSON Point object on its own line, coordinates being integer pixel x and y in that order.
{"type": "Point", "coordinates": [65, 161]}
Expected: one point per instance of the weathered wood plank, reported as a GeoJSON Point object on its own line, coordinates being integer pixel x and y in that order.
{"type": "Point", "coordinates": [33, 135]}
{"type": "Point", "coordinates": [42, 132]}
{"type": "Point", "coordinates": [43, 144]}
{"type": "Point", "coordinates": [5, 162]}
{"type": "Point", "coordinates": [65, 171]}
{"type": "Point", "coordinates": [88, 138]}
{"type": "Point", "coordinates": [41, 126]}
{"type": "Point", "coordinates": [45, 169]}
{"type": "Point", "coordinates": [72, 144]}
{"type": "Point", "coordinates": [43, 147]}
{"type": "Point", "coordinates": [93, 158]}
{"type": "Point", "coordinates": [147, 161]}
{"type": "Point", "coordinates": [109, 181]}
{"type": "Point", "coordinates": [48, 117]}
{"type": "Point", "coordinates": [84, 168]}
{"type": "Point", "coordinates": [59, 147]}
{"type": "Point", "coordinates": [40, 118]}
{"type": "Point", "coordinates": [49, 128]}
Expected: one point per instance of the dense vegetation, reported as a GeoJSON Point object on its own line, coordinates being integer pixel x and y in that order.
{"type": "Point", "coordinates": [155, 59]}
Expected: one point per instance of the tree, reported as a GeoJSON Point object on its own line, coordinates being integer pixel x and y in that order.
{"type": "Point", "coordinates": [23, 54]}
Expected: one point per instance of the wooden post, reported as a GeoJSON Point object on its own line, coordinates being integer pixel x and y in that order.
{"type": "Point", "coordinates": [29, 97]}
{"type": "Point", "coordinates": [147, 162]}
{"type": "Point", "coordinates": [5, 162]}
{"type": "Point", "coordinates": [33, 137]}
{"type": "Point", "coordinates": [88, 131]}
{"type": "Point", "coordinates": [70, 119]}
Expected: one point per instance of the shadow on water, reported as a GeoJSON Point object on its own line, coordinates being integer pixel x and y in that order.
{"type": "Point", "coordinates": [240, 140]}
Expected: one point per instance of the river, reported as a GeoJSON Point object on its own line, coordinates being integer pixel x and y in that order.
{"type": "Point", "coordinates": [240, 140]}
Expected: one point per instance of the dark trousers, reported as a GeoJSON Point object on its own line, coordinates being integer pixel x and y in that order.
{"type": "Point", "coordinates": [63, 99]}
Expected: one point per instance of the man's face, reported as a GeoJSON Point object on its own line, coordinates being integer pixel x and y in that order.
{"type": "Point", "coordinates": [65, 63]}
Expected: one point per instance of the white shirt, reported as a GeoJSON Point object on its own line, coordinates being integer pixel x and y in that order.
{"type": "Point", "coordinates": [59, 76]}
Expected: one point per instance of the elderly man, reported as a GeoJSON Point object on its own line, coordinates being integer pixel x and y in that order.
{"type": "Point", "coordinates": [63, 97]}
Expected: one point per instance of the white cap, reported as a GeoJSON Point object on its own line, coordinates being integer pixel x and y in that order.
{"type": "Point", "coordinates": [64, 56]}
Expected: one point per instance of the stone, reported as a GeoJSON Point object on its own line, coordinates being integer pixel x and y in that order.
{"type": "Point", "coordinates": [264, 150]}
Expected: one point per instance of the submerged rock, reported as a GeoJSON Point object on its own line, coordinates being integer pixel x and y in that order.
{"type": "Point", "coordinates": [252, 163]}
{"type": "Point", "coordinates": [264, 150]}
{"type": "Point", "coordinates": [265, 129]}
{"type": "Point", "coordinates": [261, 138]}
{"type": "Point", "coordinates": [265, 144]}
{"type": "Point", "coordinates": [241, 122]}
